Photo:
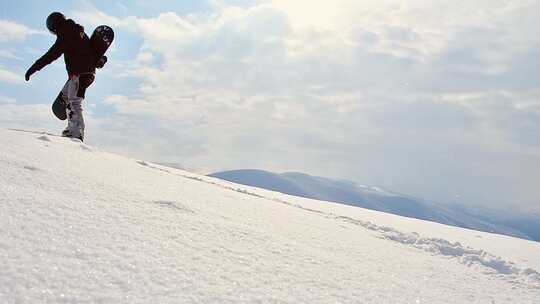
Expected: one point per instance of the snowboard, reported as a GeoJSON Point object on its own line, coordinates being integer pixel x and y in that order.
{"type": "Point", "coordinates": [101, 39]}
{"type": "Point", "coordinates": [59, 107]}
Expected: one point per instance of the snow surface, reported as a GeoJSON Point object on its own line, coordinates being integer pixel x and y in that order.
{"type": "Point", "coordinates": [80, 225]}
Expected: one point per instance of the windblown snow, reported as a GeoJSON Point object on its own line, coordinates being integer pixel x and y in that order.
{"type": "Point", "coordinates": [80, 225]}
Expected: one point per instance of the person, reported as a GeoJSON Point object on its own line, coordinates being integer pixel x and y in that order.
{"type": "Point", "coordinates": [81, 64]}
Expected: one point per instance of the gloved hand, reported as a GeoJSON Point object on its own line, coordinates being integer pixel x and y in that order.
{"type": "Point", "coordinates": [101, 62]}
{"type": "Point", "coordinates": [29, 73]}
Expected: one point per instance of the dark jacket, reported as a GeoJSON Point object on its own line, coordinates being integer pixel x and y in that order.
{"type": "Point", "coordinates": [75, 45]}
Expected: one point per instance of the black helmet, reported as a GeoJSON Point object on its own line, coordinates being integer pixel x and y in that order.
{"type": "Point", "coordinates": [55, 21]}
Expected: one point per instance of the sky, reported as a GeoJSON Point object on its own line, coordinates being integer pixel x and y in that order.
{"type": "Point", "coordinates": [435, 99]}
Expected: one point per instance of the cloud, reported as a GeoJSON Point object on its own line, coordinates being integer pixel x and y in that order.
{"type": "Point", "coordinates": [10, 77]}
{"type": "Point", "coordinates": [7, 100]}
{"type": "Point", "coordinates": [9, 54]}
{"type": "Point", "coordinates": [12, 31]}
{"type": "Point", "coordinates": [422, 98]}
{"type": "Point", "coordinates": [34, 117]}
{"type": "Point", "coordinates": [95, 17]}
{"type": "Point", "coordinates": [420, 30]}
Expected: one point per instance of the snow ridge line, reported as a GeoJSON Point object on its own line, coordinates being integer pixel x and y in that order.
{"type": "Point", "coordinates": [468, 256]}
{"type": "Point", "coordinates": [506, 270]}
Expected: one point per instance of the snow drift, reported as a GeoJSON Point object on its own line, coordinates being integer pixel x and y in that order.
{"type": "Point", "coordinates": [82, 225]}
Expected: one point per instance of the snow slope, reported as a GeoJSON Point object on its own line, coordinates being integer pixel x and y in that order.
{"type": "Point", "coordinates": [373, 198]}
{"type": "Point", "coordinates": [81, 225]}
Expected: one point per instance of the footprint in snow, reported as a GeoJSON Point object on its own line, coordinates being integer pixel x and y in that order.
{"type": "Point", "coordinates": [86, 148]}
{"type": "Point", "coordinates": [44, 138]}
{"type": "Point", "coordinates": [32, 168]}
{"type": "Point", "coordinates": [173, 205]}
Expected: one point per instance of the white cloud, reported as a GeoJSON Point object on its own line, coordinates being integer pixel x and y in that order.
{"type": "Point", "coordinates": [416, 97]}
{"type": "Point", "coordinates": [31, 116]}
{"type": "Point", "coordinates": [8, 76]}
{"type": "Point", "coordinates": [145, 58]}
{"type": "Point", "coordinates": [418, 28]}
{"type": "Point", "coordinates": [6, 99]}
{"type": "Point", "coordinates": [95, 18]}
{"type": "Point", "coordinates": [12, 31]}
{"type": "Point", "coordinates": [9, 54]}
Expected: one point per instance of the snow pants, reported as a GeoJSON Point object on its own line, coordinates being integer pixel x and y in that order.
{"type": "Point", "coordinates": [73, 94]}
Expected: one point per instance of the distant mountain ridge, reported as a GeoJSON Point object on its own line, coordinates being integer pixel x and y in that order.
{"type": "Point", "coordinates": [350, 193]}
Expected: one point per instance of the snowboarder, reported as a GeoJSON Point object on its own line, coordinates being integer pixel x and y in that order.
{"type": "Point", "coordinates": [81, 64]}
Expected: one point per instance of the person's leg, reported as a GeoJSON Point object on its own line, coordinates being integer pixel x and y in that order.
{"type": "Point", "coordinates": [75, 127]}
{"type": "Point", "coordinates": [76, 89]}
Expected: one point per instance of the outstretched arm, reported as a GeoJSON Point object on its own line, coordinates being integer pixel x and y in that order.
{"type": "Point", "coordinates": [52, 54]}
